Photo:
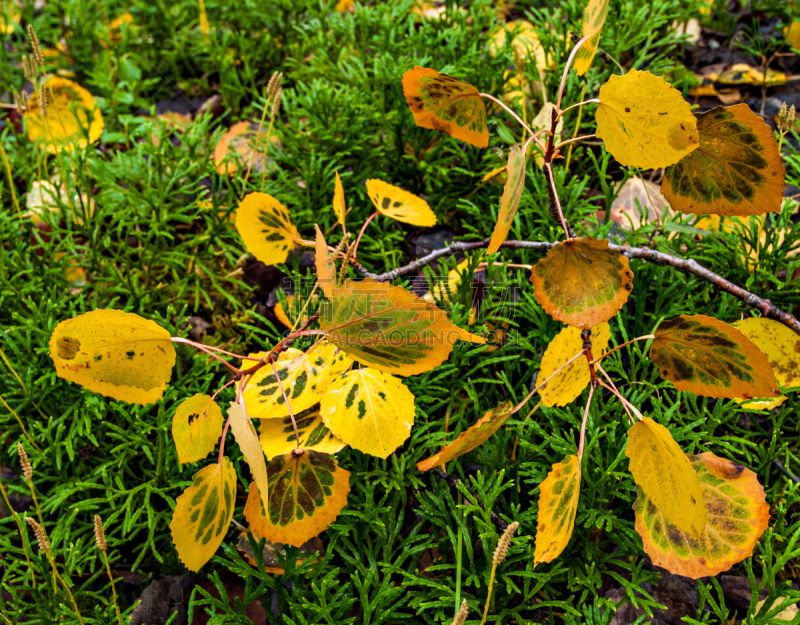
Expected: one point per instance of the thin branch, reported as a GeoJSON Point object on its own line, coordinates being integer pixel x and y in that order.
{"type": "Point", "coordinates": [786, 471]}
{"type": "Point", "coordinates": [647, 337]}
{"type": "Point", "coordinates": [573, 140]}
{"type": "Point", "coordinates": [592, 101]}
{"type": "Point", "coordinates": [534, 135]}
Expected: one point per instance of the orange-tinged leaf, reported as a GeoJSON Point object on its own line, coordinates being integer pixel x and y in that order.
{"type": "Point", "coordinates": [736, 516]}
{"type": "Point", "coordinates": [72, 119]}
{"type": "Point", "coordinates": [369, 410]}
{"type": "Point", "coordinates": [304, 376]}
{"type": "Point", "coordinates": [114, 353]}
{"type": "Point", "coordinates": [644, 121]}
{"type": "Point", "coordinates": [238, 147]}
{"type": "Point", "coordinates": [512, 193]}
{"type": "Point", "coordinates": [389, 328]}
{"type": "Point", "coordinates": [266, 227]}
{"type": "Point", "coordinates": [664, 473]}
{"type": "Point", "coordinates": [471, 438]}
{"type": "Point", "coordinates": [581, 282]}
{"type": "Point", "coordinates": [295, 307]}
{"type": "Point", "coordinates": [736, 170]}
{"type": "Point", "coordinates": [558, 504]}
{"type": "Point", "coordinates": [203, 513]}
{"type": "Point", "coordinates": [567, 385]}
{"type": "Point", "coordinates": [247, 438]}
{"type": "Point", "coordinates": [277, 435]}
{"type": "Point", "coordinates": [326, 267]}
{"type": "Point", "coordinates": [446, 104]}
{"type": "Point", "coordinates": [594, 16]}
{"type": "Point", "coordinates": [306, 494]}
{"type": "Point", "coordinates": [196, 427]}
{"type": "Point", "coordinates": [398, 204]}
{"type": "Point", "coordinates": [705, 356]}
{"type": "Point", "coordinates": [339, 207]}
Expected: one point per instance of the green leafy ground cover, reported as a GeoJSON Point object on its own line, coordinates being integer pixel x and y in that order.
{"type": "Point", "coordinates": [408, 546]}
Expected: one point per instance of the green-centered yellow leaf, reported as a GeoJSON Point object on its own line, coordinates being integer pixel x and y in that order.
{"type": "Point", "coordinates": [567, 385]}
{"type": "Point", "coordinates": [247, 438]}
{"type": "Point", "coordinates": [304, 377]}
{"type": "Point", "coordinates": [582, 282]}
{"type": "Point", "coordinates": [398, 204]}
{"type": "Point", "coordinates": [369, 410]}
{"type": "Point", "coordinates": [471, 438]}
{"type": "Point", "coordinates": [736, 170]}
{"type": "Point", "coordinates": [665, 474]}
{"type": "Point", "coordinates": [203, 513]}
{"type": "Point", "coordinates": [114, 353]}
{"type": "Point", "coordinates": [306, 494]}
{"type": "Point", "coordinates": [389, 328]}
{"type": "Point", "coordinates": [446, 104]}
{"type": "Point", "coordinates": [705, 356]}
{"type": "Point", "coordinates": [277, 435]}
{"type": "Point", "coordinates": [558, 504]}
{"type": "Point", "coordinates": [196, 427]}
{"type": "Point", "coordinates": [512, 193]}
{"type": "Point", "coordinates": [644, 121]}
{"type": "Point", "coordinates": [736, 516]}
{"type": "Point", "coordinates": [72, 119]}
{"type": "Point", "coordinates": [594, 16]}
{"type": "Point", "coordinates": [266, 227]}
{"type": "Point", "coordinates": [339, 207]}
{"type": "Point", "coordinates": [326, 267]}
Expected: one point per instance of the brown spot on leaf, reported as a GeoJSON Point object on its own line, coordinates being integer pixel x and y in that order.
{"type": "Point", "coordinates": [68, 347]}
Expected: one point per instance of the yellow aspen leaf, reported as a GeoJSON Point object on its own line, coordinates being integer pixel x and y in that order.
{"type": "Point", "coordinates": [594, 16]}
{"type": "Point", "coordinates": [644, 121]}
{"type": "Point", "coordinates": [237, 147]}
{"type": "Point", "coordinates": [304, 376]}
{"type": "Point", "coordinates": [196, 427]}
{"type": "Point", "coordinates": [277, 435]}
{"type": "Point", "coordinates": [567, 385]}
{"type": "Point", "coordinates": [442, 290]}
{"type": "Point", "coordinates": [558, 504]}
{"type": "Point", "coordinates": [744, 74]}
{"type": "Point", "coordinates": [705, 356]}
{"type": "Point", "coordinates": [389, 328]}
{"type": "Point", "coordinates": [72, 120]}
{"type": "Point", "coordinates": [326, 267]}
{"type": "Point", "coordinates": [266, 227]}
{"type": "Point", "coordinates": [247, 438]}
{"type": "Point", "coordinates": [311, 552]}
{"type": "Point", "coordinates": [788, 614]}
{"type": "Point", "coordinates": [294, 308]}
{"type": "Point", "coordinates": [114, 353]}
{"type": "Point", "coordinates": [792, 34]}
{"type": "Point", "coordinates": [203, 513]}
{"type": "Point", "coordinates": [736, 516]}
{"type": "Point", "coordinates": [524, 39]}
{"type": "Point", "coordinates": [339, 207]}
{"type": "Point", "coordinates": [10, 17]}
{"type": "Point", "coordinates": [666, 476]}
{"type": "Point", "coordinates": [512, 194]}
{"type": "Point", "coordinates": [581, 282]}
{"type": "Point", "coordinates": [369, 410]}
{"type": "Point", "coordinates": [736, 170]}
{"type": "Point", "coordinates": [306, 494]}
{"type": "Point", "coordinates": [639, 201]}
{"type": "Point", "coordinates": [471, 438]}
{"type": "Point", "coordinates": [398, 204]}
{"type": "Point", "coordinates": [446, 104]}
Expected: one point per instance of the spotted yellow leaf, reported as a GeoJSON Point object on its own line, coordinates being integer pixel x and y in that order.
{"type": "Point", "coordinates": [736, 516]}
{"type": "Point", "coordinates": [398, 204]}
{"type": "Point", "coordinates": [247, 438]}
{"type": "Point", "coordinates": [203, 513]}
{"type": "Point", "coordinates": [196, 427]}
{"type": "Point", "coordinates": [558, 504]}
{"type": "Point", "coordinates": [567, 385]}
{"type": "Point", "coordinates": [277, 435]}
{"type": "Point", "coordinates": [72, 119]}
{"type": "Point", "coordinates": [705, 356]}
{"type": "Point", "coordinates": [306, 494]}
{"type": "Point", "coordinates": [369, 410]}
{"type": "Point", "coordinates": [266, 227]}
{"type": "Point", "coordinates": [446, 104]}
{"type": "Point", "coordinates": [664, 473]}
{"type": "Point", "coordinates": [644, 121]}
{"type": "Point", "coordinates": [594, 16]}
{"type": "Point", "coordinates": [304, 377]}
{"type": "Point", "coordinates": [326, 267]}
{"type": "Point", "coordinates": [339, 207]}
{"type": "Point", "coordinates": [479, 432]}
{"type": "Point", "coordinates": [114, 353]}
{"type": "Point", "coordinates": [512, 194]}
{"type": "Point", "coordinates": [736, 170]}
{"type": "Point", "coordinates": [389, 328]}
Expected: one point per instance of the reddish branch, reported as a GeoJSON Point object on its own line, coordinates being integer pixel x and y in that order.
{"type": "Point", "coordinates": [688, 265]}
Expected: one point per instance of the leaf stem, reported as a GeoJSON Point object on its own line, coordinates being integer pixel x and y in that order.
{"type": "Point", "coordinates": [566, 72]}
{"type": "Point", "coordinates": [554, 195]}
{"type": "Point", "coordinates": [613, 388]}
{"type": "Point", "coordinates": [518, 118]}
{"type": "Point", "coordinates": [361, 232]}
{"type": "Point", "coordinates": [203, 348]}
{"type": "Point", "coordinates": [573, 140]}
{"type": "Point", "coordinates": [626, 343]}
{"type": "Point", "coordinates": [288, 407]}
{"type": "Point", "coordinates": [583, 423]}
{"type": "Point", "coordinates": [590, 101]}
{"type": "Point", "coordinates": [525, 401]}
